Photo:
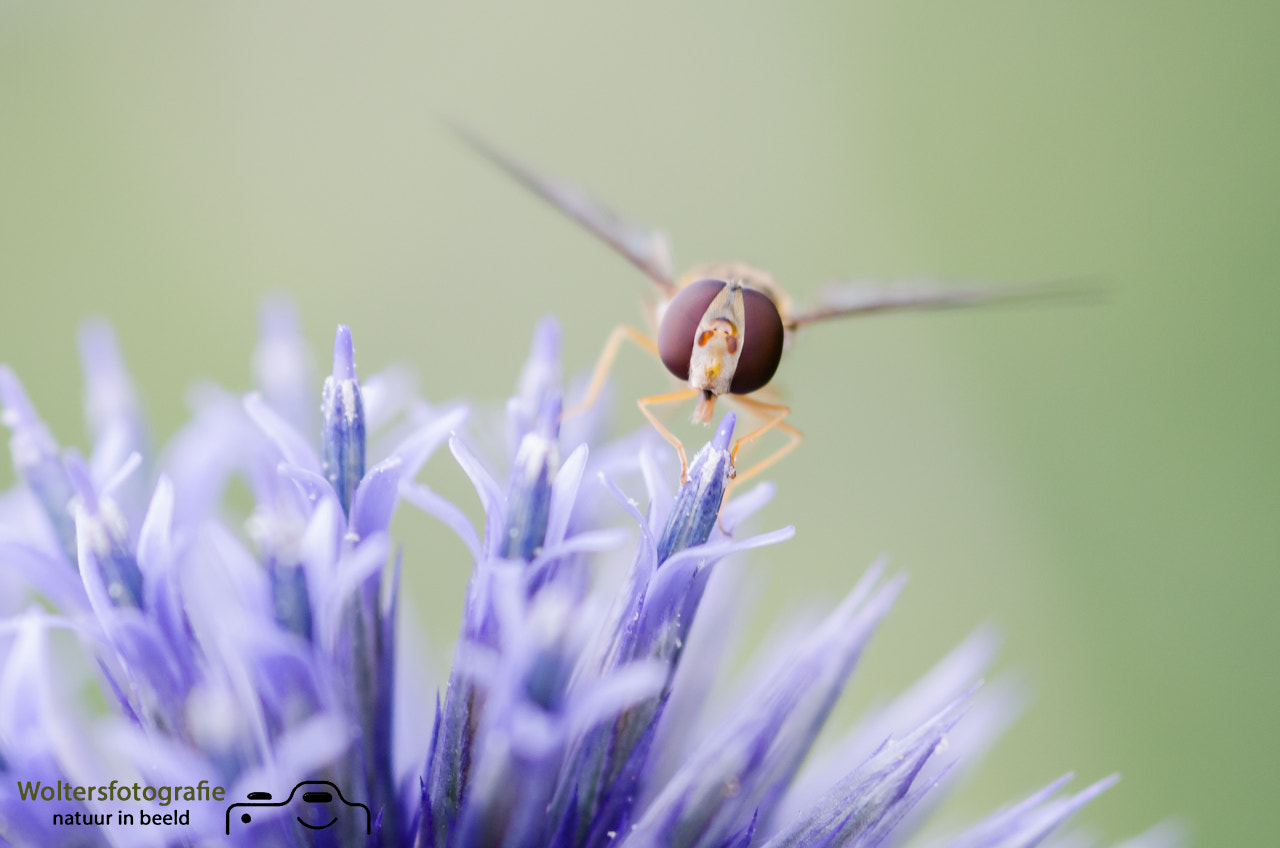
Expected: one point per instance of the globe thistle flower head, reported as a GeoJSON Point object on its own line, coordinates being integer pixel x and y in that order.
{"type": "Point", "coordinates": [584, 707]}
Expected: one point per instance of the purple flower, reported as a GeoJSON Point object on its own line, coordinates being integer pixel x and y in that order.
{"type": "Point", "coordinates": [583, 708]}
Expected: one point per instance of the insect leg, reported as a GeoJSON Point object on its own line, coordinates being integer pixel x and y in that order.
{"type": "Point", "coordinates": [645, 402]}
{"type": "Point", "coordinates": [773, 414]}
{"type": "Point", "coordinates": [604, 364]}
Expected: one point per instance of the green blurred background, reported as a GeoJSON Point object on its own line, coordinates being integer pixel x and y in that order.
{"type": "Point", "coordinates": [1100, 481]}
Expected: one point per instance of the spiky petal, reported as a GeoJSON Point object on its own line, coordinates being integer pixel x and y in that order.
{"type": "Point", "coordinates": [37, 461]}
{"type": "Point", "coordinates": [343, 440]}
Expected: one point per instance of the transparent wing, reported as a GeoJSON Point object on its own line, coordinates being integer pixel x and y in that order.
{"type": "Point", "coordinates": [841, 299]}
{"type": "Point", "coordinates": [643, 247]}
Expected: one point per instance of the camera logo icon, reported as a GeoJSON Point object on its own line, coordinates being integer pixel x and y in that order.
{"type": "Point", "coordinates": [319, 806]}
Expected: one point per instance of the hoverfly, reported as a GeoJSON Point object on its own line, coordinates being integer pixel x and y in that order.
{"type": "Point", "coordinates": [722, 327]}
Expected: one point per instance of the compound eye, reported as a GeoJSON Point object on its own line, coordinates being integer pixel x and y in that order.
{"type": "Point", "coordinates": [761, 343]}
{"type": "Point", "coordinates": [680, 324]}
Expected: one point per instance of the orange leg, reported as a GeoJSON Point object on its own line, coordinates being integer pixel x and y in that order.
{"type": "Point", "coordinates": [645, 402]}
{"type": "Point", "coordinates": [604, 364]}
{"type": "Point", "coordinates": [773, 413]}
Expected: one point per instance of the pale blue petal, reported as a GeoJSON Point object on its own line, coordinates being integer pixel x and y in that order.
{"type": "Point", "coordinates": [444, 510]}
{"type": "Point", "coordinates": [564, 494]}
{"type": "Point", "coordinates": [282, 367]}
{"type": "Point", "coordinates": [293, 448]}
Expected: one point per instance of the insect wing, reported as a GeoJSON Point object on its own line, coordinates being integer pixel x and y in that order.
{"type": "Point", "coordinates": [647, 249]}
{"type": "Point", "coordinates": [841, 299]}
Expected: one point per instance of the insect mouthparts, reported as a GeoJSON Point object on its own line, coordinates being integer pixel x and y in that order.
{"type": "Point", "coordinates": [706, 407]}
